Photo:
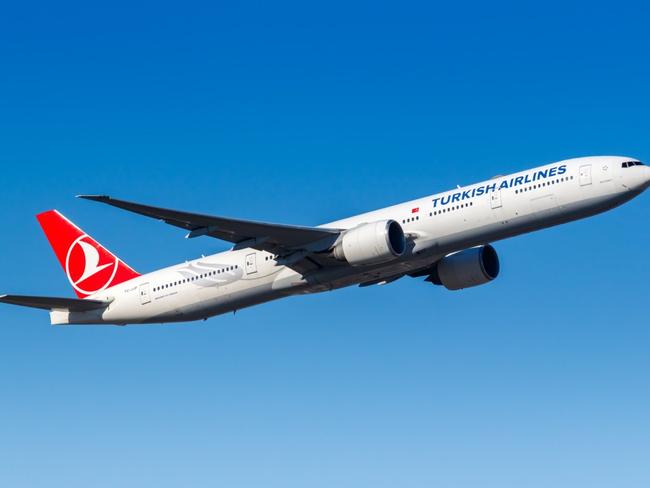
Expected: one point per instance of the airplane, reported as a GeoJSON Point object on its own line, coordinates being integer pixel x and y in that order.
{"type": "Point", "coordinates": [445, 238]}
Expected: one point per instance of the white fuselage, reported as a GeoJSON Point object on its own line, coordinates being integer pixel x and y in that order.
{"type": "Point", "coordinates": [435, 226]}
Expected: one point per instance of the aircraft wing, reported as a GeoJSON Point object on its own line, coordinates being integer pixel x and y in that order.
{"type": "Point", "coordinates": [280, 239]}
{"type": "Point", "coordinates": [54, 303]}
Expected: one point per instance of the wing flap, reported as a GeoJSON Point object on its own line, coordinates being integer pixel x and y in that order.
{"type": "Point", "coordinates": [279, 238]}
{"type": "Point", "coordinates": [54, 303]}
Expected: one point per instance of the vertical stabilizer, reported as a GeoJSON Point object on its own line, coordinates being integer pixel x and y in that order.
{"type": "Point", "coordinates": [89, 266]}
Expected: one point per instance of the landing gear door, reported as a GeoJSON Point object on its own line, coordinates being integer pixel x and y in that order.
{"type": "Point", "coordinates": [251, 263]}
{"type": "Point", "coordinates": [144, 293]}
{"type": "Point", "coordinates": [495, 199]}
{"type": "Point", "coordinates": [585, 175]}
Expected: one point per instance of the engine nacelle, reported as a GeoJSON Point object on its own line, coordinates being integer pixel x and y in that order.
{"type": "Point", "coordinates": [371, 243]}
{"type": "Point", "coordinates": [464, 269]}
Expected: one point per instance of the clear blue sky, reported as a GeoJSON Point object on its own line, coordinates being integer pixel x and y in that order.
{"type": "Point", "coordinates": [304, 113]}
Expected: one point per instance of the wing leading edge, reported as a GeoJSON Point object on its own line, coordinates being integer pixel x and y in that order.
{"type": "Point", "coordinates": [276, 238]}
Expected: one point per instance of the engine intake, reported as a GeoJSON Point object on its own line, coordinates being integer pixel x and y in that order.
{"type": "Point", "coordinates": [464, 269]}
{"type": "Point", "coordinates": [371, 243]}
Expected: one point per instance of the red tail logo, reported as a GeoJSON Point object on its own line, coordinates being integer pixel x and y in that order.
{"type": "Point", "coordinates": [89, 266]}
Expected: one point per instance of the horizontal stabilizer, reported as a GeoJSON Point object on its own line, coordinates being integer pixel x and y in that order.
{"type": "Point", "coordinates": [54, 303]}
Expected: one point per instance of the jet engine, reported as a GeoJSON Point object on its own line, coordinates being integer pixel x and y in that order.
{"type": "Point", "coordinates": [371, 243]}
{"type": "Point", "coordinates": [464, 269]}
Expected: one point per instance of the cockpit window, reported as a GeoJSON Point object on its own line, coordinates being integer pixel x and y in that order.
{"type": "Point", "coordinates": [629, 164]}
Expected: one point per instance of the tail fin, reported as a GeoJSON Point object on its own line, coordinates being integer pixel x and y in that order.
{"type": "Point", "coordinates": [89, 266]}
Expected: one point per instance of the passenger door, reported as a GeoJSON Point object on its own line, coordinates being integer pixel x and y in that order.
{"type": "Point", "coordinates": [144, 293]}
{"type": "Point", "coordinates": [251, 263]}
{"type": "Point", "coordinates": [585, 175]}
{"type": "Point", "coordinates": [495, 199]}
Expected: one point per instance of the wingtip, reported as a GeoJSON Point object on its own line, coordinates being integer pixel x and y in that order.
{"type": "Point", "coordinates": [97, 198]}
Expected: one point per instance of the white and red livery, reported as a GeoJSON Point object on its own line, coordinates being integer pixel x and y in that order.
{"type": "Point", "coordinates": [444, 237]}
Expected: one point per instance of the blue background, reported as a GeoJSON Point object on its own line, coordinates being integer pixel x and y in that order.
{"type": "Point", "coordinates": [303, 113]}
